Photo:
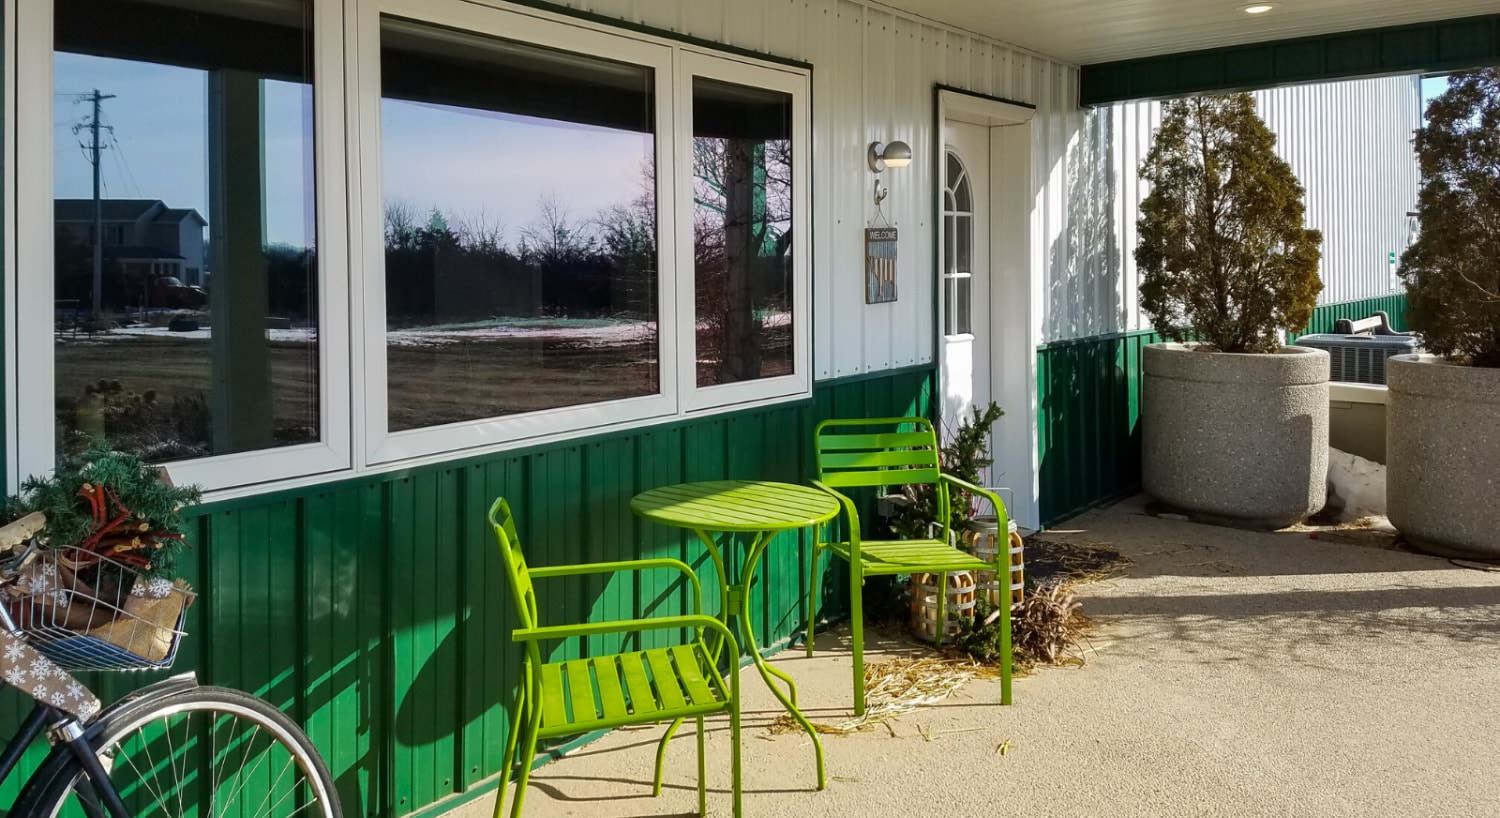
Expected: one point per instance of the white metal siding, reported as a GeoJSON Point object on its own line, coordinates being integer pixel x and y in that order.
{"type": "Point", "coordinates": [1348, 142]}
{"type": "Point", "coordinates": [874, 71]}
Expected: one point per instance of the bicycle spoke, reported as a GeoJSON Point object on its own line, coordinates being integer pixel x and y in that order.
{"type": "Point", "coordinates": [172, 759]}
{"type": "Point", "coordinates": [243, 777]}
{"type": "Point", "coordinates": [272, 812]}
{"type": "Point", "coordinates": [271, 790]}
{"type": "Point", "coordinates": [146, 781]}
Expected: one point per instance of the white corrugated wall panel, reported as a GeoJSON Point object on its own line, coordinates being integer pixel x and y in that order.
{"type": "Point", "coordinates": [874, 70]}
{"type": "Point", "coordinates": [1348, 142]}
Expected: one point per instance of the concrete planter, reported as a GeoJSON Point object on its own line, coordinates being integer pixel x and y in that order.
{"type": "Point", "coordinates": [1443, 455]}
{"type": "Point", "coordinates": [1235, 437]}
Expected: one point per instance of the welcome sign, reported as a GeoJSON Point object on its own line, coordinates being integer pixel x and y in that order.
{"type": "Point", "coordinates": [880, 265]}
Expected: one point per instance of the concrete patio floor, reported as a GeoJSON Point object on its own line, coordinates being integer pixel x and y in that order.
{"type": "Point", "coordinates": [1235, 673]}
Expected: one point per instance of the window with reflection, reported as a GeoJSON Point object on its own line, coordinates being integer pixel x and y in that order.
{"type": "Point", "coordinates": [185, 308]}
{"type": "Point", "coordinates": [742, 232]}
{"type": "Point", "coordinates": [520, 227]}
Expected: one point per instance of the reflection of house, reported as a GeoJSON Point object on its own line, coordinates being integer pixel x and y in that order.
{"type": "Point", "coordinates": [142, 236]}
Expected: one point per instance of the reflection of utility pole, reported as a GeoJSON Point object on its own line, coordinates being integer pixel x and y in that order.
{"type": "Point", "coordinates": [94, 150]}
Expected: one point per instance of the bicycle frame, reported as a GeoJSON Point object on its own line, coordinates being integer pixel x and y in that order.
{"type": "Point", "coordinates": [65, 730]}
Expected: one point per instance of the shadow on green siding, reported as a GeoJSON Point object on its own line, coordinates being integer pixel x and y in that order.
{"type": "Point", "coordinates": [1089, 409]}
{"type": "Point", "coordinates": [374, 610]}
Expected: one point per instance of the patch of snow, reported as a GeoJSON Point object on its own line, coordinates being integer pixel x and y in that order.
{"type": "Point", "coordinates": [1356, 487]}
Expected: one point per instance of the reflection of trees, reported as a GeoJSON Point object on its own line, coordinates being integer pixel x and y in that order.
{"type": "Point", "coordinates": [742, 237]}
{"type": "Point", "coordinates": [456, 267]}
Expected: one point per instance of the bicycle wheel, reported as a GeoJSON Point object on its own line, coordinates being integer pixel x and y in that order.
{"type": "Point", "coordinates": [206, 752]}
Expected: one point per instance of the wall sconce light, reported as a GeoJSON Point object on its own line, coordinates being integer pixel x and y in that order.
{"type": "Point", "coordinates": [892, 155]}
{"type": "Point", "coordinates": [886, 155]}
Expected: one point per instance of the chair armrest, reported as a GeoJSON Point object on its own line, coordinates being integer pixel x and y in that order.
{"type": "Point", "coordinates": [849, 512]}
{"type": "Point", "coordinates": [626, 626]}
{"type": "Point", "coordinates": [1002, 516]}
{"type": "Point", "coordinates": [625, 565]}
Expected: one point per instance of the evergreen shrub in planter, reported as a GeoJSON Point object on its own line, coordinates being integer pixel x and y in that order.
{"type": "Point", "coordinates": [1443, 417]}
{"type": "Point", "coordinates": [1235, 425]}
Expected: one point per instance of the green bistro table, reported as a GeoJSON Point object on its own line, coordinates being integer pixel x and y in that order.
{"type": "Point", "coordinates": [754, 507]}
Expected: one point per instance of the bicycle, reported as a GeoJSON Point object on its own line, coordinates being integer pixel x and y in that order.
{"type": "Point", "coordinates": [173, 748]}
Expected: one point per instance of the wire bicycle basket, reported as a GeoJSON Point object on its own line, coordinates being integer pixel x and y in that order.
{"type": "Point", "coordinates": [86, 611]}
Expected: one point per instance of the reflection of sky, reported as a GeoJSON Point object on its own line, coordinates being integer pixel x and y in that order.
{"type": "Point", "coordinates": [159, 148]}
{"type": "Point", "coordinates": [471, 164]}
{"type": "Point", "coordinates": [466, 163]}
{"type": "Point", "coordinates": [1433, 87]}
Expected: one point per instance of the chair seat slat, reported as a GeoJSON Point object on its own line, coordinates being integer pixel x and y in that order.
{"type": "Point", "coordinates": [580, 690]}
{"type": "Point", "coordinates": [642, 700]}
{"type": "Point", "coordinates": [553, 712]}
{"type": "Point", "coordinates": [667, 686]}
{"type": "Point", "coordinates": [611, 695]}
{"type": "Point", "coordinates": [691, 675]}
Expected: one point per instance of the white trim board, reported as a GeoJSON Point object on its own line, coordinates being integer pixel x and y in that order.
{"type": "Point", "coordinates": [1014, 297]}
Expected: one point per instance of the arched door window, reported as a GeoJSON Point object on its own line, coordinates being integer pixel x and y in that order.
{"type": "Point", "coordinates": [958, 236]}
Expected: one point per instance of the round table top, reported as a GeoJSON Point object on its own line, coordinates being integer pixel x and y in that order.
{"type": "Point", "coordinates": [736, 505]}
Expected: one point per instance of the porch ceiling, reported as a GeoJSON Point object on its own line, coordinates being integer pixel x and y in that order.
{"type": "Point", "coordinates": [1094, 31]}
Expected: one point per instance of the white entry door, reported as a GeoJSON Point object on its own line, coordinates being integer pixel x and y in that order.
{"type": "Point", "coordinates": [967, 338]}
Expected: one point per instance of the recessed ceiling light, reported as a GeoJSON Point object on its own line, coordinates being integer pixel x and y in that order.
{"type": "Point", "coordinates": [1259, 8]}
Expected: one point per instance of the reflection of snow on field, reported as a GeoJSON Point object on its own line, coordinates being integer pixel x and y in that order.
{"type": "Point", "coordinates": [304, 335]}
{"type": "Point", "coordinates": [586, 332]}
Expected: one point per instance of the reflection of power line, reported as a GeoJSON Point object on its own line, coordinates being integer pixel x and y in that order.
{"type": "Point", "coordinates": [123, 162]}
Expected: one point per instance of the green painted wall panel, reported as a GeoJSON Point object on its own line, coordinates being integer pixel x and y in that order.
{"type": "Point", "coordinates": [1325, 316]}
{"type": "Point", "coordinates": [375, 610]}
{"type": "Point", "coordinates": [1445, 45]}
{"type": "Point", "coordinates": [1089, 409]}
{"type": "Point", "coordinates": [1088, 398]}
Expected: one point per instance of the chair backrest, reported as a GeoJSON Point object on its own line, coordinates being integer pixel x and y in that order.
{"type": "Point", "coordinates": [857, 452]}
{"type": "Point", "coordinates": [521, 590]}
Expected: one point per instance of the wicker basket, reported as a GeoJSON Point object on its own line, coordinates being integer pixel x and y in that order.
{"type": "Point", "coordinates": [981, 538]}
{"type": "Point", "coordinates": [924, 604]}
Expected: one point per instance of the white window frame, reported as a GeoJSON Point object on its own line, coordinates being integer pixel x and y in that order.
{"type": "Point", "coordinates": [383, 445]}
{"type": "Point", "coordinates": [29, 328]}
{"type": "Point", "coordinates": [697, 398]}
{"type": "Point", "coordinates": [355, 438]}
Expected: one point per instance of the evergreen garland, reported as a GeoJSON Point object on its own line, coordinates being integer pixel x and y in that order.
{"type": "Point", "coordinates": [143, 514]}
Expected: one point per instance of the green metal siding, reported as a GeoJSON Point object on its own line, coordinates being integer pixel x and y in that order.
{"type": "Point", "coordinates": [1089, 409]}
{"type": "Point", "coordinates": [1088, 421]}
{"type": "Point", "coordinates": [1324, 317]}
{"type": "Point", "coordinates": [1444, 45]}
{"type": "Point", "coordinates": [375, 610]}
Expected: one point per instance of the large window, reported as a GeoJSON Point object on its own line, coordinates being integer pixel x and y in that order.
{"type": "Point", "coordinates": [183, 317]}
{"type": "Point", "coordinates": [520, 227]}
{"type": "Point", "coordinates": [188, 155]}
{"type": "Point", "coordinates": [517, 227]}
{"type": "Point", "coordinates": [742, 231]}
{"type": "Point", "coordinates": [744, 195]}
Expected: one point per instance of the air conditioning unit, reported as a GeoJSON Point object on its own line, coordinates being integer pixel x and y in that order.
{"type": "Point", "coordinates": [1359, 358]}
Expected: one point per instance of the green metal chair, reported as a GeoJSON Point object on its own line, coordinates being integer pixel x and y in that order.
{"type": "Point", "coordinates": [886, 453]}
{"type": "Point", "coordinates": [576, 696]}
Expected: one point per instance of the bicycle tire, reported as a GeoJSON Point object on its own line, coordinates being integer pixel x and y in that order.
{"type": "Point", "coordinates": [56, 783]}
